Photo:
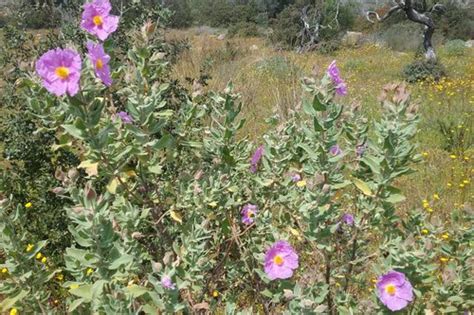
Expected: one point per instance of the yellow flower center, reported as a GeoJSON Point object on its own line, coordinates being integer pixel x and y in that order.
{"type": "Point", "coordinates": [62, 72]}
{"type": "Point", "coordinates": [390, 289]}
{"type": "Point", "coordinates": [99, 64]}
{"type": "Point", "coordinates": [97, 20]}
{"type": "Point", "coordinates": [250, 214]}
{"type": "Point", "coordinates": [278, 260]}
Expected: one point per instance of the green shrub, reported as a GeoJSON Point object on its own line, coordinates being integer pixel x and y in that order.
{"type": "Point", "coordinates": [455, 48]}
{"type": "Point", "coordinates": [421, 70]}
{"type": "Point", "coordinates": [287, 25]}
{"type": "Point", "coordinates": [457, 22]}
{"type": "Point", "coordinates": [182, 16]}
{"type": "Point", "coordinates": [243, 29]}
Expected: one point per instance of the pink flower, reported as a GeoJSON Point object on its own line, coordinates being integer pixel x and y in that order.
{"type": "Point", "coordinates": [348, 219]}
{"type": "Point", "coordinates": [248, 213]}
{"type": "Point", "coordinates": [167, 283]}
{"type": "Point", "coordinates": [60, 70]}
{"type": "Point", "coordinates": [335, 150]}
{"type": "Point", "coordinates": [295, 177]}
{"type": "Point", "coordinates": [125, 117]}
{"type": "Point", "coordinates": [100, 60]}
{"type": "Point", "coordinates": [256, 157]}
{"type": "Point", "coordinates": [280, 261]}
{"type": "Point", "coordinates": [96, 19]}
{"type": "Point", "coordinates": [333, 72]}
{"type": "Point", "coordinates": [394, 290]}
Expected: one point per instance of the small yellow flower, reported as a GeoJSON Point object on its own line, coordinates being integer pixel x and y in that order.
{"type": "Point", "coordinates": [429, 209]}
{"type": "Point", "coordinates": [466, 158]}
{"type": "Point", "coordinates": [39, 256]}
{"type": "Point", "coordinates": [461, 185]}
{"type": "Point", "coordinates": [14, 311]}
{"type": "Point", "coordinates": [28, 205]}
{"type": "Point", "coordinates": [453, 156]}
{"type": "Point", "coordinates": [445, 236]}
{"type": "Point", "coordinates": [29, 247]}
{"type": "Point", "coordinates": [425, 154]}
{"type": "Point", "coordinates": [89, 271]}
{"type": "Point", "coordinates": [425, 231]}
{"type": "Point", "coordinates": [43, 260]}
{"type": "Point", "coordinates": [444, 259]}
{"type": "Point", "coordinates": [74, 286]}
{"type": "Point", "coordinates": [215, 293]}
{"type": "Point", "coordinates": [426, 204]}
{"type": "Point", "coordinates": [466, 181]}
{"type": "Point", "coordinates": [301, 183]}
{"type": "Point", "coordinates": [450, 185]}
{"type": "Point", "coordinates": [4, 270]}
{"type": "Point", "coordinates": [213, 204]}
{"type": "Point", "coordinates": [436, 197]}
{"type": "Point", "coordinates": [60, 277]}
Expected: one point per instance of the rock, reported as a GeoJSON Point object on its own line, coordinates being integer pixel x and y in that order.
{"type": "Point", "coordinates": [470, 43]}
{"type": "Point", "coordinates": [221, 37]}
{"type": "Point", "coordinates": [352, 39]}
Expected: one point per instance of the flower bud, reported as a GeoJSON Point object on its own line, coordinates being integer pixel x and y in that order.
{"type": "Point", "coordinates": [326, 188]}
{"type": "Point", "coordinates": [58, 191]}
{"type": "Point", "coordinates": [137, 235]}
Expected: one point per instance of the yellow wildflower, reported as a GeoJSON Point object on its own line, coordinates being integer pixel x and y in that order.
{"type": "Point", "coordinates": [4, 270]}
{"type": "Point", "coordinates": [74, 286]}
{"type": "Point", "coordinates": [28, 205]}
{"type": "Point", "coordinates": [425, 154]}
{"type": "Point", "coordinates": [461, 185]}
{"type": "Point", "coordinates": [60, 277]}
{"type": "Point", "coordinates": [89, 271]}
{"type": "Point", "coordinates": [43, 260]}
{"type": "Point", "coordinates": [29, 247]}
{"type": "Point", "coordinates": [453, 156]}
{"type": "Point", "coordinates": [466, 181]}
{"type": "Point", "coordinates": [215, 293]}
{"type": "Point", "coordinates": [450, 185]}
{"type": "Point", "coordinates": [429, 209]}
{"type": "Point", "coordinates": [445, 236]}
{"type": "Point", "coordinates": [213, 204]}
{"type": "Point", "coordinates": [444, 259]}
{"type": "Point", "coordinates": [425, 231]}
{"type": "Point", "coordinates": [39, 256]}
{"type": "Point", "coordinates": [436, 197]}
{"type": "Point", "coordinates": [301, 183]}
{"type": "Point", "coordinates": [14, 311]}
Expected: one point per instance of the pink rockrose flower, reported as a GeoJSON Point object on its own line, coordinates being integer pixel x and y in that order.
{"type": "Point", "coordinates": [60, 71]}
{"type": "Point", "coordinates": [256, 157]}
{"type": "Point", "coordinates": [333, 73]}
{"type": "Point", "coordinates": [335, 150]}
{"type": "Point", "coordinates": [348, 219]}
{"type": "Point", "coordinates": [100, 60]}
{"type": "Point", "coordinates": [125, 117]}
{"type": "Point", "coordinates": [280, 261]}
{"type": "Point", "coordinates": [167, 283]}
{"type": "Point", "coordinates": [249, 211]}
{"type": "Point", "coordinates": [97, 20]}
{"type": "Point", "coordinates": [394, 290]}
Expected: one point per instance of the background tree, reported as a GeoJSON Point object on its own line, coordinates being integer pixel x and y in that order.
{"type": "Point", "coordinates": [418, 12]}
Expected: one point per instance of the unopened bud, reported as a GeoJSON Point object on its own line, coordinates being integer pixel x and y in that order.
{"type": "Point", "coordinates": [73, 174]}
{"type": "Point", "coordinates": [58, 191]}
{"type": "Point", "coordinates": [326, 188]}
{"type": "Point", "coordinates": [89, 192]}
{"type": "Point", "coordinates": [137, 235]}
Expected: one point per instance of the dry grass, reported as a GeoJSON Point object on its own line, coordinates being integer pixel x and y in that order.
{"type": "Point", "coordinates": [269, 82]}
